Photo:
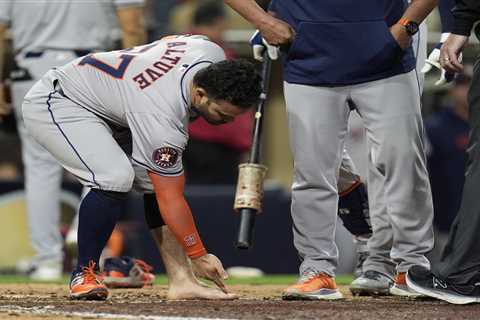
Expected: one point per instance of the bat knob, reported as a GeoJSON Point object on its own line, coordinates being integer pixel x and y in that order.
{"type": "Point", "coordinates": [245, 230]}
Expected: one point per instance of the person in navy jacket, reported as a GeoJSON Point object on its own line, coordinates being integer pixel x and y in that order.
{"type": "Point", "coordinates": [339, 56]}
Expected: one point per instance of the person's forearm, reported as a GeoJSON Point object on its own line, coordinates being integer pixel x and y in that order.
{"type": "Point", "coordinates": [419, 10]}
{"type": "Point", "coordinates": [465, 13]}
{"type": "Point", "coordinates": [177, 214]}
{"type": "Point", "coordinates": [250, 10]}
{"type": "Point", "coordinates": [132, 23]}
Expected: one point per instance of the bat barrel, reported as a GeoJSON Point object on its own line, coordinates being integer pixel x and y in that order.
{"type": "Point", "coordinates": [245, 230]}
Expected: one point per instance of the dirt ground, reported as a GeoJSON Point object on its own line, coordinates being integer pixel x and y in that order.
{"type": "Point", "coordinates": [37, 301]}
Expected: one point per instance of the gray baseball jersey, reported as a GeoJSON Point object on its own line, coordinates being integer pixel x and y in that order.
{"type": "Point", "coordinates": [50, 24]}
{"type": "Point", "coordinates": [145, 89]}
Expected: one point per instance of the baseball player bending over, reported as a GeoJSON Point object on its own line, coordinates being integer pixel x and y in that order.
{"type": "Point", "coordinates": [149, 92]}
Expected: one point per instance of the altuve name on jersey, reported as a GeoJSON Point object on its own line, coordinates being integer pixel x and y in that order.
{"type": "Point", "coordinates": [160, 67]}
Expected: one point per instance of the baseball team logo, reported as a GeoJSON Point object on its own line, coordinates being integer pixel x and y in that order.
{"type": "Point", "coordinates": [190, 240]}
{"type": "Point", "coordinates": [165, 157]}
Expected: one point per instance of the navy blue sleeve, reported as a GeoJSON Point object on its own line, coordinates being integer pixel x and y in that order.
{"type": "Point", "coordinates": [465, 13]}
{"type": "Point", "coordinates": [271, 6]}
{"type": "Point", "coordinates": [446, 16]}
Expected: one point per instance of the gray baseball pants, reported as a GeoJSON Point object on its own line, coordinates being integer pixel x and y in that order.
{"type": "Point", "coordinates": [68, 131]}
{"type": "Point", "coordinates": [317, 120]}
{"type": "Point", "coordinates": [43, 173]}
{"type": "Point", "coordinates": [383, 257]}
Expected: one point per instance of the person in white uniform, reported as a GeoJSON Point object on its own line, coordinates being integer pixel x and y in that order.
{"type": "Point", "coordinates": [48, 34]}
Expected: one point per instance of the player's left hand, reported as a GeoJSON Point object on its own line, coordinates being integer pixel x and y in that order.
{"type": "Point", "coordinates": [450, 53]}
{"type": "Point", "coordinates": [400, 35]}
{"type": "Point", "coordinates": [275, 31]}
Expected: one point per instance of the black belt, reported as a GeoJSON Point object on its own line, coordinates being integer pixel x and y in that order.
{"type": "Point", "coordinates": [38, 54]}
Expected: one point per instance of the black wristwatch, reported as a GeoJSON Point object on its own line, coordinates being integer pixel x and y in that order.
{"type": "Point", "coordinates": [410, 26]}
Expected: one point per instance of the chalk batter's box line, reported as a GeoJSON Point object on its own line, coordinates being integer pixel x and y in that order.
{"type": "Point", "coordinates": [48, 310]}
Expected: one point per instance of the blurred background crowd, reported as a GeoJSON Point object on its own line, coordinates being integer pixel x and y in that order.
{"type": "Point", "coordinates": [213, 154]}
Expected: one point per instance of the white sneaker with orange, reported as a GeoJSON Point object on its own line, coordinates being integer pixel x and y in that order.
{"type": "Point", "coordinates": [400, 287]}
{"type": "Point", "coordinates": [127, 272]}
{"type": "Point", "coordinates": [86, 285]}
{"type": "Point", "coordinates": [313, 285]}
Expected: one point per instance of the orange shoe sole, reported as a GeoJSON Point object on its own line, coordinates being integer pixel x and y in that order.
{"type": "Point", "coordinates": [94, 294]}
{"type": "Point", "coordinates": [322, 294]}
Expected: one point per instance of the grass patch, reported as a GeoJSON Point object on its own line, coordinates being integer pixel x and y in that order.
{"type": "Point", "coordinates": [161, 279]}
{"type": "Point", "coordinates": [25, 279]}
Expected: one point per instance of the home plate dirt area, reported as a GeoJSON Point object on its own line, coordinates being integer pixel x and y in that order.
{"type": "Point", "coordinates": [50, 301]}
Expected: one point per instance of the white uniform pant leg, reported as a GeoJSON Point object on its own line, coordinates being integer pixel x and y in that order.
{"type": "Point", "coordinates": [43, 175]}
{"type": "Point", "coordinates": [391, 111]}
{"type": "Point", "coordinates": [317, 122]}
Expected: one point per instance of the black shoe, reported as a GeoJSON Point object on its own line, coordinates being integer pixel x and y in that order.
{"type": "Point", "coordinates": [425, 282]}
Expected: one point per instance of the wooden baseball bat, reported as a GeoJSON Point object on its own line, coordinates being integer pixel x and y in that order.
{"type": "Point", "coordinates": [247, 215]}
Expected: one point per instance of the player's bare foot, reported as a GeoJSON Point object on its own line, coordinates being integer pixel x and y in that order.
{"type": "Point", "coordinates": [199, 292]}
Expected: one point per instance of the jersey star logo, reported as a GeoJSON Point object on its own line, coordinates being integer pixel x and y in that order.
{"type": "Point", "coordinates": [165, 157]}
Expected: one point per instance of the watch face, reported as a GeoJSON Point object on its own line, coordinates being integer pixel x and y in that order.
{"type": "Point", "coordinates": [412, 28]}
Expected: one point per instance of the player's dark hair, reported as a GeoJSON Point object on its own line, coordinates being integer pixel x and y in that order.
{"type": "Point", "coordinates": [208, 13]}
{"type": "Point", "coordinates": [235, 81]}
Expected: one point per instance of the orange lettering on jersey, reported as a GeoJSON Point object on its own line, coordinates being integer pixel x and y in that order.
{"type": "Point", "coordinates": [141, 80]}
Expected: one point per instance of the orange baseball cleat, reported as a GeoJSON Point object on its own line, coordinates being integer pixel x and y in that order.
{"type": "Point", "coordinates": [126, 272]}
{"type": "Point", "coordinates": [313, 285]}
{"type": "Point", "coordinates": [86, 285]}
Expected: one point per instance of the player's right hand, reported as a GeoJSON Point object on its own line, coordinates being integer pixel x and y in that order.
{"type": "Point", "coordinates": [275, 31]}
{"type": "Point", "coordinates": [433, 61]}
{"type": "Point", "coordinates": [272, 34]}
{"type": "Point", "coordinates": [209, 267]}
